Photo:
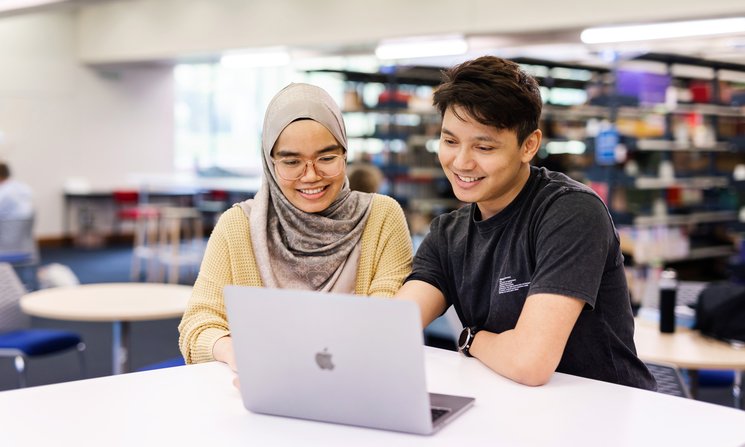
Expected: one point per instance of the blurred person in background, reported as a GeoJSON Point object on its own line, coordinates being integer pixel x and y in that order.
{"type": "Point", "coordinates": [16, 198]}
{"type": "Point", "coordinates": [364, 177]}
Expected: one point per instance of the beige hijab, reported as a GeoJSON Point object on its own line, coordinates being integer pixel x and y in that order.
{"type": "Point", "coordinates": [295, 249]}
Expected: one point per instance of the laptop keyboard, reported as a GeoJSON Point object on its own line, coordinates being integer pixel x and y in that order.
{"type": "Point", "coordinates": [437, 413]}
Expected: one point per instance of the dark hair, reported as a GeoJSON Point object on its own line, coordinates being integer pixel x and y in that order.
{"type": "Point", "coordinates": [364, 177]}
{"type": "Point", "coordinates": [493, 91]}
{"type": "Point", "coordinates": [4, 171]}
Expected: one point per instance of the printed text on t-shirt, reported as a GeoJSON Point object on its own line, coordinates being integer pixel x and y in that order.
{"type": "Point", "coordinates": [507, 285]}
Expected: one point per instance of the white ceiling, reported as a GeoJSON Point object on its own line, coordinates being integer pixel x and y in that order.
{"type": "Point", "coordinates": [111, 25]}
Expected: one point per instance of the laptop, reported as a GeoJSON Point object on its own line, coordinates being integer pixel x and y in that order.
{"type": "Point", "coordinates": [335, 358]}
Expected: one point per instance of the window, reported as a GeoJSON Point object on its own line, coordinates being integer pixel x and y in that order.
{"type": "Point", "coordinates": [219, 113]}
{"type": "Point", "coordinates": [219, 108]}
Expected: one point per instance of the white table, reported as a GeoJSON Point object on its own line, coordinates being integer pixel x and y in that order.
{"type": "Point", "coordinates": [197, 405]}
{"type": "Point", "coordinates": [687, 348]}
{"type": "Point", "coordinates": [119, 303]}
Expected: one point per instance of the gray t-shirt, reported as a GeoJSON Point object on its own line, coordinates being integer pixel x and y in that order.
{"type": "Point", "coordinates": [556, 237]}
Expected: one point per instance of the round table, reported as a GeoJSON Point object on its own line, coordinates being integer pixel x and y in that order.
{"type": "Point", "coordinates": [119, 303]}
{"type": "Point", "coordinates": [688, 349]}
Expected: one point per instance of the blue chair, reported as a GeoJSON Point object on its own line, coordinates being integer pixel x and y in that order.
{"type": "Point", "coordinates": [20, 342]}
{"type": "Point", "coordinates": [176, 361]}
{"type": "Point", "coordinates": [712, 378]}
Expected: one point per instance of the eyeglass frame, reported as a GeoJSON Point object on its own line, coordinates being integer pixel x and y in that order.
{"type": "Point", "coordinates": [312, 161]}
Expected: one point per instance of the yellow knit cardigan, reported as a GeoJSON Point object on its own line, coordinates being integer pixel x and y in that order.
{"type": "Point", "coordinates": [385, 261]}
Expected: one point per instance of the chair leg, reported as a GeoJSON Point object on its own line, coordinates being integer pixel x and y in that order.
{"type": "Point", "coordinates": [175, 242]}
{"type": "Point", "coordinates": [154, 253]}
{"type": "Point", "coordinates": [737, 389]}
{"type": "Point", "coordinates": [138, 248]}
{"type": "Point", "coordinates": [20, 364]}
{"type": "Point", "coordinates": [160, 271]}
{"type": "Point", "coordinates": [81, 359]}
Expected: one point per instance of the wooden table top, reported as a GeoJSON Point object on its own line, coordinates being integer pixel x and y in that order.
{"type": "Point", "coordinates": [686, 348]}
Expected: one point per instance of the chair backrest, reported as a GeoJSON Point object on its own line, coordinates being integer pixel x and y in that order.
{"type": "Point", "coordinates": [668, 379]}
{"type": "Point", "coordinates": [17, 238]}
{"type": "Point", "coordinates": [689, 291]}
{"type": "Point", "coordinates": [11, 291]}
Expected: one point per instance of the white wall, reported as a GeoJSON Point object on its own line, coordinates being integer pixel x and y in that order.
{"type": "Point", "coordinates": [62, 119]}
{"type": "Point", "coordinates": [154, 29]}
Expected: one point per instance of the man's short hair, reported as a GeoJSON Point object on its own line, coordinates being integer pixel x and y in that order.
{"type": "Point", "coordinates": [4, 170]}
{"type": "Point", "coordinates": [495, 92]}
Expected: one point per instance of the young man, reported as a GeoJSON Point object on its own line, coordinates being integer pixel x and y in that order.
{"type": "Point", "coordinates": [533, 265]}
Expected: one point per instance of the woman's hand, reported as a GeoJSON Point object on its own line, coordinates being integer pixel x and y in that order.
{"type": "Point", "coordinates": [223, 351]}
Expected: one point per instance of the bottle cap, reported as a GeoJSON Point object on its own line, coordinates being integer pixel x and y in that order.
{"type": "Point", "coordinates": [668, 278]}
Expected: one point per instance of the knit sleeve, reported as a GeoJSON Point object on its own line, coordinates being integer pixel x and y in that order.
{"type": "Point", "coordinates": [386, 250]}
{"type": "Point", "coordinates": [205, 320]}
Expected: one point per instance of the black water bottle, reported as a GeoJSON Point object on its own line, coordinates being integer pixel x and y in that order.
{"type": "Point", "coordinates": [668, 289]}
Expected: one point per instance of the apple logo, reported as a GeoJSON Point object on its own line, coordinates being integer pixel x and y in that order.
{"type": "Point", "coordinates": [323, 359]}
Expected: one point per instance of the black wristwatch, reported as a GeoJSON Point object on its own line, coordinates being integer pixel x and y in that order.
{"type": "Point", "coordinates": [466, 339]}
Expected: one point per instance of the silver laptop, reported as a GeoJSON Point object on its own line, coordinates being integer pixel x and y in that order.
{"type": "Point", "coordinates": [335, 358]}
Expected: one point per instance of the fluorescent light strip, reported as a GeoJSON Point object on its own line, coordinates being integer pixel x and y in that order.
{"type": "Point", "coordinates": [573, 147]}
{"type": "Point", "coordinates": [653, 31]}
{"type": "Point", "coordinates": [10, 5]}
{"type": "Point", "coordinates": [421, 47]}
{"type": "Point", "coordinates": [260, 58]}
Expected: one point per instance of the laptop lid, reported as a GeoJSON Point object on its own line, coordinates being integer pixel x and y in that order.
{"type": "Point", "coordinates": [329, 357]}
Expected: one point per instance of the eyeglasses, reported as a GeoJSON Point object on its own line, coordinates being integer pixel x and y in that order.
{"type": "Point", "coordinates": [295, 168]}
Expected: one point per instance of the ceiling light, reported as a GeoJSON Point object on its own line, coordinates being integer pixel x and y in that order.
{"type": "Point", "coordinates": [573, 147]}
{"type": "Point", "coordinates": [9, 5]}
{"type": "Point", "coordinates": [652, 31]}
{"type": "Point", "coordinates": [268, 57]}
{"type": "Point", "coordinates": [421, 47]}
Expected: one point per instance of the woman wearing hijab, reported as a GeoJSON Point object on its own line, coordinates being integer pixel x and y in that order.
{"type": "Point", "coordinates": [305, 229]}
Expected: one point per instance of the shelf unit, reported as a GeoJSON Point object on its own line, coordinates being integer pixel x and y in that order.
{"type": "Point", "coordinates": [709, 162]}
{"type": "Point", "coordinates": [687, 219]}
{"type": "Point", "coordinates": [669, 180]}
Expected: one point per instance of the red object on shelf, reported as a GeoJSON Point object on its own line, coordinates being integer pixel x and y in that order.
{"type": "Point", "coordinates": [126, 196]}
{"type": "Point", "coordinates": [128, 207]}
{"type": "Point", "coordinates": [674, 196]}
{"type": "Point", "coordinates": [700, 91]}
{"type": "Point", "coordinates": [218, 194]}
{"type": "Point", "coordinates": [393, 97]}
